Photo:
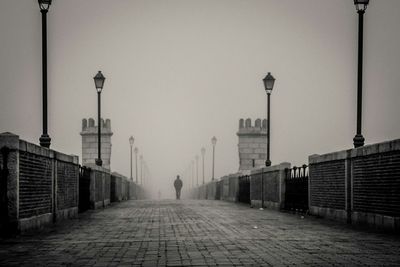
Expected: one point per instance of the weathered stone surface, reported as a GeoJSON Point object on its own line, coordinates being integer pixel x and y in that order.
{"type": "Point", "coordinates": [252, 144]}
{"type": "Point", "coordinates": [90, 142]}
{"type": "Point", "coordinates": [199, 233]}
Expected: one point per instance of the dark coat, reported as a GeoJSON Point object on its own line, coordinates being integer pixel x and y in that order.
{"type": "Point", "coordinates": [178, 184]}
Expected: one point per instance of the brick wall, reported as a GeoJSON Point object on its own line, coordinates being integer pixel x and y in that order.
{"type": "Point", "coordinates": [376, 184]}
{"type": "Point", "coordinates": [271, 186]}
{"type": "Point", "coordinates": [327, 184]}
{"type": "Point", "coordinates": [42, 185]}
{"type": "Point", "coordinates": [255, 186]}
{"type": "Point", "coordinates": [67, 184]}
{"type": "Point", "coordinates": [360, 185]}
{"type": "Point", "coordinates": [35, 184]}
{"type": "Point", "coordinates": [267, 186]}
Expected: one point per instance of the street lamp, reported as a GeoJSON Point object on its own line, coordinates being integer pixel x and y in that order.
{"type": "Point", "coordinates": [361, 6]}
{"type": "Point", "coordinates": [269, 81]}
{"type": "Point", "coordinates": [192, 170]}
{"type": "Point", "coordinates": [131, 141]}
{"type": "Point", "coordinates": [197, 170]}
{"type": "Point", "coordinates": [203, 152]}
{"type": "Point", "coordinates": [136, 153]}
{"type": "Point", "coordinates": [213, 142]}
{"type": "Point", "coordinates": [99, 83]}
{"type": "Point", "coordinates": [141, 169]}
{"type": "Point", "coordinates": [44, 5]}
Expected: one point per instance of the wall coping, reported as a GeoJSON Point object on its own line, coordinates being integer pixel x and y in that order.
{"type": "Point", "coordinates": [387, 146]}
{"type": "Point", "coordinates": [97, 168]}
{"type": "Point", "coordinates": [12, 141]}
{"type": "Point", "coordinates": [279, 167]}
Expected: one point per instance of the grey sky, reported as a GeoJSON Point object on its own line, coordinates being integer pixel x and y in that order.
{"type": "Point", "coordinates": [179, 72]}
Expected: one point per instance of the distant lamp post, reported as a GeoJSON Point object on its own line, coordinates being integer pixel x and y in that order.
{"type": "Point", "coordinates": [192, 170]}
{"type": "Point", "coordinates": [197, 170]}
{"type": "Point", "coordinates": [99, 83]}
{"type": "Point", "coordinates": [269, 81]}
{"type": "Point", "coordinates": [131, 141]}
{"type": "Point", "coordinates": [213, 142]}
{"type": "Point", "coordinates": [361, 6]}
{"type": "Point", "coordinates": [203, 152]}
{"type": "Point", "coordinates": [136, 169]}
{"type": "Point", "coordinates": [44, 5]}
{"type": "Point", "coordinates": [141, 169]}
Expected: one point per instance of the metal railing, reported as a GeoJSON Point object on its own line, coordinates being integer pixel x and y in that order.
{"type": "Point", "coordinates": [296, 193]}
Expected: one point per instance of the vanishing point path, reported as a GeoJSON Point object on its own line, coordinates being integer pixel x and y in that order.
{"type": "Point", "coordinates": [198, 233]}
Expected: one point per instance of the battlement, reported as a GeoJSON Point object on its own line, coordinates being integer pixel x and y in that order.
{"type": "Point", "coordinates": [90, 142]}
{"type": "Point", "coordinates": [89, 126]}
{"type": "Point", "coordinates": [246, 127]}
{"type": "Point", "coordinates": [252, 144]}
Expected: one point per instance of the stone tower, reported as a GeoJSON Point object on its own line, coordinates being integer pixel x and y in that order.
{"type": "Point", "coordinates": [89, 142]}
{"type": "Point", "coordinates": [252, 144]}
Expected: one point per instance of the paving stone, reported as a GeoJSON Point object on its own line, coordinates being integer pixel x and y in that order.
{"type": "Point", "coordinates": [198, 233]}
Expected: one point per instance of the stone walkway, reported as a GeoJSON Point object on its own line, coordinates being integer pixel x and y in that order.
{"type": "Point", "coordinates": [198, 233]}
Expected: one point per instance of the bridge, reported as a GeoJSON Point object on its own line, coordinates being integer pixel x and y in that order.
{"type": "Point", "coordinates": [340, 208]}
{"type": "Point", "coordinates": [177, 74]}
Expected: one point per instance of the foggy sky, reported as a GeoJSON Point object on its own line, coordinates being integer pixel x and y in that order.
{"type": "Point", "coordinates": [178, 72]}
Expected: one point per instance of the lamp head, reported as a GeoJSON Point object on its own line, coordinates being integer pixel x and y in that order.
{"type": "Point", "coordinates": [214, 141]}
{"type": "Point", "coordinates": [131, 140]}
{"type": "Point", "coordinates": [99, 81]}
{"type": "Point", "coordinates": [269, 82]}
{"type": "Point", "coordinates": [361, 5]}
{"type": "Point", "coordinates": [44, 4]}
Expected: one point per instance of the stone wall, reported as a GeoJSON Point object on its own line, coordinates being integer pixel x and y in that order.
{"type": "Point", "coordinates": [90, 142]}
{"type": "Point", "coordinates": [120, 188]}
{"type": "Point", "coordinates": [41, 185]}
{"type": "Point", "coordinates": [252, 144]}
{"type": "Point", "coordinates": [360, 186]}
{"type": "Point", "coordinates": [267, 186]}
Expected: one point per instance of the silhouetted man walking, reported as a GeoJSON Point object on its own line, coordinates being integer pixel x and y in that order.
{"type": "Point", "coordinates": [178, 186]}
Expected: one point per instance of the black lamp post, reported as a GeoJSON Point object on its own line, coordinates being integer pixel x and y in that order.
{"type": "Point", "coordinates": [141, 169]}
{"type": "Point", "coordinates": [361, 6]}
{"type": "Point", "coordinates": [99, 83]}
{"type": "Point", "coordinates": [197, 170]}
{"type": "Point", "coordinates": [44, 5]}
{"type": "Point", "coordinates": [131, 141]}
{"type": "Point", "coordinates": [213, 142]}
{"type": "Point", "coordinates": [203, 152]}
{"type": "Point", "coordinates": [192, 170]}
{"type": "Point", "coordinates": [136, 153]}
{"type": "Point", "coordinates": [269, 81]}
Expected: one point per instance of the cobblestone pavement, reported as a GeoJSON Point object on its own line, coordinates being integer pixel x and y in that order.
{"type": "Point", "coordinates": [198, 233]}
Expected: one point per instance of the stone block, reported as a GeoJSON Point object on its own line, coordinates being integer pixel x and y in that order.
{"type": "Point", "coordinates": [388, 222]}
{"type": "Point", "coordinates": [245, 150]}
{"type": "Point", "coordinates": [378, 221]}
{"type": "Point", "coordinates": [371, 219]}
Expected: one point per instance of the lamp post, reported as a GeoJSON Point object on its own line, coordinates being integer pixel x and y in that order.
{"type": "Point", "coordinates": [361, 6]}
{"type": "Point", "coordinates": [213, 142]}
{"type": "Point", "coordinates": [141, 169]}
{"type": "Point", "coordinates": [136, 169]}
{"type": "Point", "coordinates": [131, 141]}
{"type": "Point", "coordinates": [192, 165]}
{"type": "Point", "coordinates": [269, 81]}
{"type": "Point", "coordinates": [197, 170]}
{"type": "Point", "coordinates": [44, 5]}
{"type": "Point", "coordinates": [203, 152]}
{"type": "Point", "coordinates": [99, 83]}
